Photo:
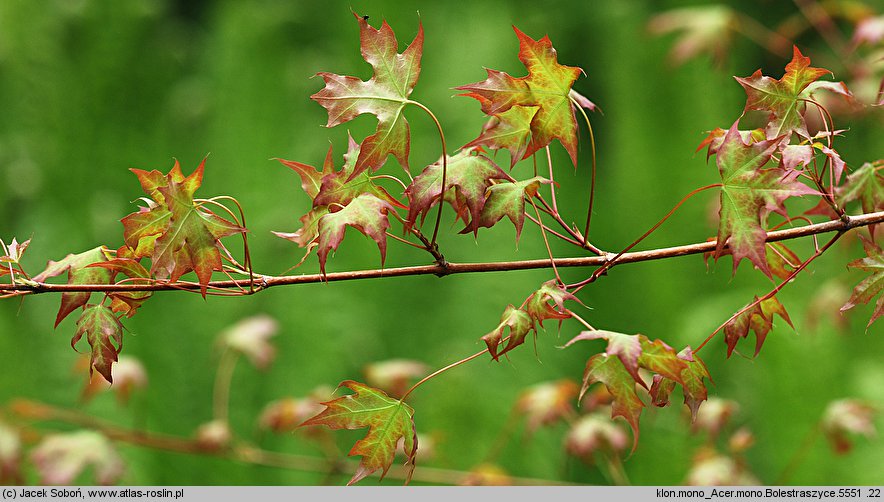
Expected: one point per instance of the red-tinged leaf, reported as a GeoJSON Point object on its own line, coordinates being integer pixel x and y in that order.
{"type": "Point", "coordinates": [385, 95]}
{"type": "Point", "coordinates": [872, 285]}
{"type": "Point", "coordinates": [616, 378]}
{"type": "Point", "coordinates": [12, 253]}
{"type": "Point", "coordinates": [469, 174]}
{"type": "Point", "coordinates": [595, 433]}
{"type": "Point", "coordinates": [340, 187]}
{"type": "Point", "coordinates": [61, 458]}
{"type": "Point", "coordinates": [837, 164]}
{"type": "Point", "coordinates": [104, 333]}
{"type": "Point", "coordinates": [781, 260]}
{"type": "Point", "coordinates": [784, 98]}
{"type": "Point", "coordinates": [366, 213]}
{"type": "Point", "coordinates": [661, 389]}
{"type": "Point", "coordinates": [712, 142]}
{"type": "Point", "coordinates": [142, 228]}
{"type": "Point", "coordinates": [190, 242]}
{"type": "Point", "coordinates": [794, 156]}
{"type": "Point", "coordinates": [695, 392]}
{"type": "Point", "coordinates": [691, 379]}
{"type": "Point", "coordinates": [127, 302]}
{"type": "Point", "coordinates": [748, 194]}
{"type": "Point", "coordinates": [152, 180]}
{"type": "Point", "coordinates": [311, 178]}
{"type": "Point", "coordinates": [866, 185]}
{"type": "Point", "coordinates": [848, 416]}
{"type": "Point", "coordinates": [520, 325]}
{"type": "Point", "coordinates": [548, 302]}
{"type": "Point", "coordinates": [510, 130]}
{"type": "Point", "coordinates": [758, 319]}
{"type": "Point", "coordinates": [547, 86]}
{"type": "Point", "coordinates": [661, 359]}
{"type": "Point", "coordinates": [128, 373]}
{"type": "Point", "coordinates": [394, 376]}
{"type": "Point", "coordinates": [627, 348]}
{"type": "Point", "coordinates": [251, 338]}
{"type": "Point", "coordinates": [506, 199]}
{"type": "Point", "coordinates": [79, 272]}
{"type": "Point", "coordinates": [388, 420]}
{"type": "Point", "coordinates": [547, 403]}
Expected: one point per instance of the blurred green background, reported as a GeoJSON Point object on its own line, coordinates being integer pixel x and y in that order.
{"type": "Point", "coordinates": [89, 89]}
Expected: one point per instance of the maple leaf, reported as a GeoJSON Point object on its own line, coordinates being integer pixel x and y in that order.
{"type": "Point", "coordinates": [866, 185]}
{"type": "Point", "coordinates": [547, 87]}
{"type": "Point", "coordinates": [61, 458]}
{"type": "Point", "coordinates": [12, 253]}
{"type": "Point", "coordinates": [79, 272]}
{"type": "Point", "coordinates": [784, 98]}
{"type": "Point", "coordinates": [781, 261]}
{"type": "Point", "coordinates": [637, 351]}
{"type": "Point", "coordinates": [177, 234]}
{"type": "Point", "coordinates": [366, 213]}
{"type": "Point", "coordinates": [127, 302]}
{"type": "Point", "coordinates": [520, 325]}
{"type": "Point", "coordinates": [385, 95]}
{"type": "Point", "coordinates": [538, 305]}
{"type": "Point", "coordinates": [610, 371]}
{"type": "Point", "coordinates": [872, 285]}
{"type": "Point", "coordinates": [510, 130]}
{"type": "Point", "coordinates": [748, 194]}
{"type": "Point", "coordinates": [506, 199]}
{"type": "Point", "coordinates": [695, 391]}
{"type": "Point", "coordinates": [388, 420]}
{"type": "Point", "coordinates": [758, 319]}
{"type": "Point", "coordinates": [104, 333]}
{"type": "Point", "coordinates": [715, 138]}
{"type": "Point", "coordinates": [469, 175]}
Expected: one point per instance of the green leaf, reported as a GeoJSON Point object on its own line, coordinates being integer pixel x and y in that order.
{"type": "Point", "coordinates": [366, 213]}
{"type": "Point", "coordinates": [510, 130]}
{"type": "Point", "coordinates": [127, 302]}
{"type": "Point", "coordinates": [469, 175]}
{"type": "Point", "coordinates": [784, 98]}
{"type": "Point", "coordinates": [637, 351]}
{"type": "Point", "coordinates": [520, 325]}
{"type": "Point", "coordinates": [79, 272]}
{"type": "Point", "coordinates": [104, 333]}
{"type": "Point", "coordinates": [388, 420]}
{"type": "Point", "coordinates": [506, 199]}
{"type": "Point", "coordinates": [547, 87]}
{"type": "Point", "coordinates": [385, 95]}
{"type": "Point", "coordinates": [616, 378]}
{"type": "Point", "coordinates": [758, 319]}
{"type": "Point", "coordinates": [872, 285]}
{"type": "Point", "coordinates": [748, 194]}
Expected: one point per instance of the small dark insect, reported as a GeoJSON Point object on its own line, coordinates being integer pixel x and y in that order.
{"type": "Point", "coordinates": [365, 17]}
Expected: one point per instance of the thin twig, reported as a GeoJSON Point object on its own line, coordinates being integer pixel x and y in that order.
{"type": "Point", "coordinates": [265, 282]}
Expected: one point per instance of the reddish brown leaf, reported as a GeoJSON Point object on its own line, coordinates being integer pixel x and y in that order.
{"type": "Point", "coordinates": [366, 213]}
{"type": "Point", "coordinates": [611, 372]}
{"type": "Point", "coordinates": [506, 199]}
{"type": "Point", "coordinates": [758, 319]}
{"type": "Point", "coordinates": [79, 272]}
{"type": "Point", "coordinates": [548, 302]}
{"type": "Point", "coordinates": [520, 325]}
{"type": "Point", "coordinates": [104, 333]}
